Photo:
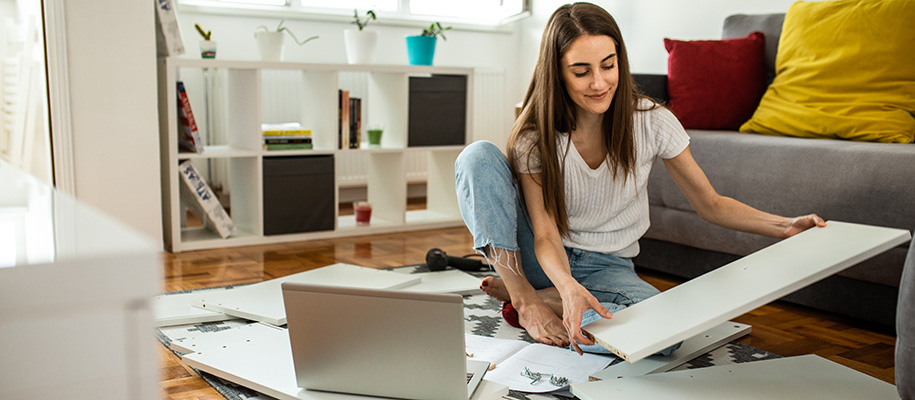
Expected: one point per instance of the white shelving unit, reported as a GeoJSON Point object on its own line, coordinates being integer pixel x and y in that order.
{"type": "Point", "coordinates": [314, 87]}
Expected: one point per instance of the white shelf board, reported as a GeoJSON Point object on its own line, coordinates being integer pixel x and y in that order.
{"type": "Point", "coordinates": [176, 309]}
{"type": "Point", "coordinates": [281, 65]}
{"type": "Point", "coordinates": [203, 234]}
{"type": "Point", "coordinates": [349, 222]}
{"type": "Point", "coordinates": [688, 309]}
{"type": "Point", "coordinates": [436, 148]}
{"type": "Point", "coordinates": [803, 377]}
{"type": "Point", "coordinates": [303, 152]}
{"type": "Point", "coordinates": [218, 151]}
{"type": "Point", "coordinates": [431, 217]}
{"type": "Point", "coordinates": [264, 301]}
{"type": "Point", "coordinates": [259, 357]}
{"type": "Point", "coordinates": [375, 149]}
{"type": "Point", "coordinates": [690, 349]}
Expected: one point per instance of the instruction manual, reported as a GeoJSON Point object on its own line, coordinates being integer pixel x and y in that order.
{"type": "Point", "coordinates": [510, 358]}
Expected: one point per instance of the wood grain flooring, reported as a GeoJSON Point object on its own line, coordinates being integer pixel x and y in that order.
{"type": "Point", "coordinates": [779, 327]}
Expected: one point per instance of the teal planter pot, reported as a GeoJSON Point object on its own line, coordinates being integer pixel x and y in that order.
{"type": "Point", "coordinates": [420, 49]}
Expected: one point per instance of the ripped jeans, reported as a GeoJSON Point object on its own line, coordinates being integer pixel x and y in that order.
{"type": "Point", "coordinates": [496, 216]}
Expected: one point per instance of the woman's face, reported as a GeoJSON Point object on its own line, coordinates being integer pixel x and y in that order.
{"type": "Point", "coordinates": [590, 73]}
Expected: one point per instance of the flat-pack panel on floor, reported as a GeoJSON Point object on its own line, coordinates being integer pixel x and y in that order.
{"type": "Point", "coordinates": [264, 301]}
{"type": "Point", "coordinates": [176, 309]}
{"type": "Point", "coordinates": [804, 377]}
{"type": "Point", "coordinates": [259, 357]}
{"type": "Point", "coordinates": [690, 349]}
{"type": "Point", "coordinates": [741, 286]}
{"type": "Point", "coordinates": [447, 281]}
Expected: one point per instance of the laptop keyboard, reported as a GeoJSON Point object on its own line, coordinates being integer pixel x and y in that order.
{"type": "Point", "coordinates": [469, 377]}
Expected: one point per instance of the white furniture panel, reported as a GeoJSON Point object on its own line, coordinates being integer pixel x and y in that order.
{"type": "Point", "coordinates": [71, 276]}
{"type": "Point", "coordinates": [264, 301]}
{"type": "Point", "coordinates": [736, 288]}
{"type": "Point", "coordinates": [690, 349]}
{"type": "Point", "coordinates": [260, 357]}
{"type": "Point", "coordinates": [804, 377]}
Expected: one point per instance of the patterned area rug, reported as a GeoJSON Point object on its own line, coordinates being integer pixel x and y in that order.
{"type": "Point", "coordinates": [482, 317]}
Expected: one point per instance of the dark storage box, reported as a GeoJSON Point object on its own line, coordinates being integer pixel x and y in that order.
{"type": "Point", "coordinates": [298, 194]}
{"type": "Point", "coordinates": [438, 110]}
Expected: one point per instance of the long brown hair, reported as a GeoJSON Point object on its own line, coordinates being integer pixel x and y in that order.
{"type": "Point", "coordinates": [548, 109]}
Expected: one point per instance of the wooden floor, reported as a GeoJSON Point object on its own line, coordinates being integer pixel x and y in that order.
{"type": "Point", "coordinates": [779, 328]}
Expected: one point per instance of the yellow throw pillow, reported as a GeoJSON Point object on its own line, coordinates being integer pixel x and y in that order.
{"type": "Point", "coordinates": [844, 69]}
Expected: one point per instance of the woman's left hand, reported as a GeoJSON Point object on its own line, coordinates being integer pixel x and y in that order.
{"type": "Point", "coordinates": [803, 223]}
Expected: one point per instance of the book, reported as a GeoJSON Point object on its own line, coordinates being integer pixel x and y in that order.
{"type": "Point", "coordinates": [198, 196]}
{"type": "Point", "coordinates": [343, 127]}
{"type": "Point", "coordinates": [285, 129]}
{"type": "Point", "coordinates": [510, 357]}
{"type": "Point", "coordinates": [287, 140]}
{"type": "Point", "coordinates": [288, 146]}
{"type": "Point", "coordinates": [188, 135]}
{"type": "Point", "coordinates": [300, 132]}
{"type": "Point", "coordinates": [168, 34]}
{"type": "Point", "coordinates": [355, 123]}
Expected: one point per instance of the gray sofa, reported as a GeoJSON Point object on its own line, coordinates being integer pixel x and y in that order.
{"type": "Point", "coordinates": [868, 183]}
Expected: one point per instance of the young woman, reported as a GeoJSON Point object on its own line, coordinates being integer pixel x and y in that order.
{"type": "Point", "coordinates": [560, 218]}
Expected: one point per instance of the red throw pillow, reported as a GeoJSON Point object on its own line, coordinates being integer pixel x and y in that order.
{"type": "Point", "coordinates": [716, 84]}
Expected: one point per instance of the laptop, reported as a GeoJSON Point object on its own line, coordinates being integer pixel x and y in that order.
{"type": "Point", "coordinates": [380, 342]}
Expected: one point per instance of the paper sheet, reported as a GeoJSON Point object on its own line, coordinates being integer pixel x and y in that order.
{"type": "Point", "coordinates": [512, 356]}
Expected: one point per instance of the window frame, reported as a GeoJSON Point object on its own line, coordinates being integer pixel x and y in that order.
{"type": "Point", "coordinates": [295, 10]}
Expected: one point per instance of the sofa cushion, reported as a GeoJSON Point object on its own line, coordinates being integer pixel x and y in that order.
{"type": "Point", "coordinates": [715, 84]}
{"type": "Point", "coordinates": [740, 25]}
{"type": "Point", "coordinates": [843, 70]}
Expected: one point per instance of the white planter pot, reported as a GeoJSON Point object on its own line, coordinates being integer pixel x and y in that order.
{"type": "Point", "coordinates": [271, 45]}
{"type": "Point", "coordinates": [360, 46]}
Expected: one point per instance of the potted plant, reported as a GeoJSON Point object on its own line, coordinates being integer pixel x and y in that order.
{"type": "Point", "coordinates": [271, 43]}
{"type": "Point", "coordinates": [421, 48]}
{"type": "Point", "coordinates": [207, 46]}
{"type": "Point", "coordinates": [360, 43]}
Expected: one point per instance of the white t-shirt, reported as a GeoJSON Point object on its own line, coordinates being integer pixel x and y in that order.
{"type": "Point", "coordinates": [605, 214]}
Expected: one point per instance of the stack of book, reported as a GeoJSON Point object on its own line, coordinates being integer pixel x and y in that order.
{"type": "Point", "coordinates": [288, 136]}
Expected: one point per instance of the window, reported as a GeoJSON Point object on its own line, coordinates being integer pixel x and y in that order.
{"type": "Point", "coordinates": [349, 5]}
{"type": "Point", "coordinates": [463, 12]}
{"type": "Point", "coordinates": [259, 2]}
{"type": "Point", "coordinates": [468, 9]}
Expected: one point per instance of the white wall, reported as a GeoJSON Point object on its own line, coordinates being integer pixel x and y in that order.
{"type": "Point", "coordinates": [653, 20]}
{"type": "Point", "coordinates": [645, 24]}
{"type": "Point", "coordinates": [112, 78]}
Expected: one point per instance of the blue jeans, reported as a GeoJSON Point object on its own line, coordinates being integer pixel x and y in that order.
{"type": "Point", "coordinates": [494, 212]}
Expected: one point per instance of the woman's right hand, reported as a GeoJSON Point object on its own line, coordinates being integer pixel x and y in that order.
{"type": "Point", "coordinates": [576, 300]}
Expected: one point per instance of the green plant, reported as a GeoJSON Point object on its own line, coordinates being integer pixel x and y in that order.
{"type": "Point", "coordinates": [206, 35]}
{"type": "Point", "coordinates": [436, 29]}
{"type": "Point", "coordinates": [361, 23]}
{"type": "Point", "coordinates": [281, 28]}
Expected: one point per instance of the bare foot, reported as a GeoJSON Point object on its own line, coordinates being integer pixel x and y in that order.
{"type": "Point", "coordinates": [542, 324]}
{"type": "Point", "coordinates": [495, 288]}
